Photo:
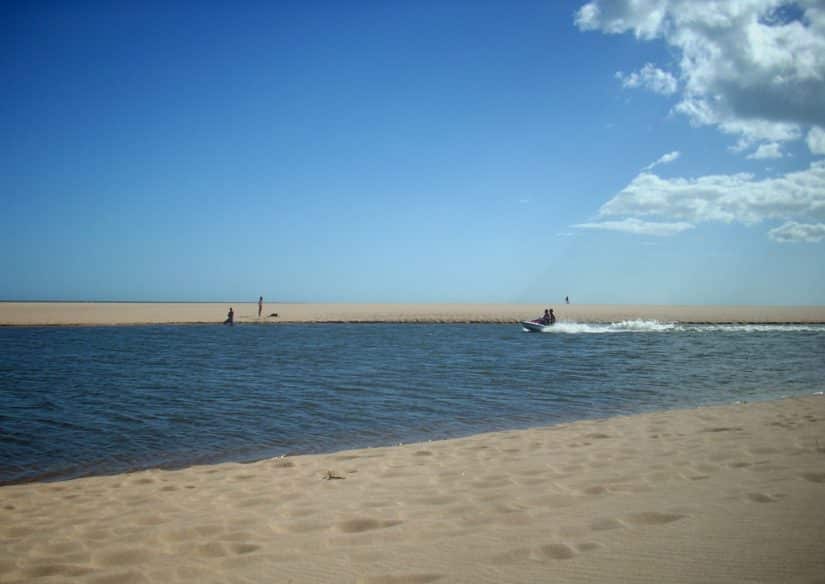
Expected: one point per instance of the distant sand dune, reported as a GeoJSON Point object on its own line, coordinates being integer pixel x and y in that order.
{"type": "Point", "coordinates": [91, 313]}
{"type": "Point", "coordinates": [711, 495]}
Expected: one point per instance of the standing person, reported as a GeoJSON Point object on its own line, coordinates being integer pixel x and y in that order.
{"type": "Point", "coordinates": [230, 317]}
{"type": "Point", "coordinates": [260, 305]}
{"type": "Point", "coordinates": [567, 300]}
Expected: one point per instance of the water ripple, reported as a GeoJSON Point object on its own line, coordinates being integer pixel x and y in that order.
{"type": "Point", "coordinates": [87, 400]}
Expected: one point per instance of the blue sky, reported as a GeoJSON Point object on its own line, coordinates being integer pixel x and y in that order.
{"type": "Point", "coordinates": [667, 151]}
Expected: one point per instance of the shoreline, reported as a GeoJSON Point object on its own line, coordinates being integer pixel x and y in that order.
{"type": "Point", "coordinates": [54, 477]}
{"type": "Point", "coordinates": [714, 494]}
{"type": "Point", "coordinates": [178, 313]}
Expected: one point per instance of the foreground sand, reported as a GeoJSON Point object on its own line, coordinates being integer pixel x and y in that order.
{"type": "Point", "coordinates": [719, 494]}
{"type": "Point", "coordinates": [109, 313]}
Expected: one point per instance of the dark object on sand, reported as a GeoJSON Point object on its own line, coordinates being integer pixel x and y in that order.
{"type": "Point", "coordinates": [275, 314]}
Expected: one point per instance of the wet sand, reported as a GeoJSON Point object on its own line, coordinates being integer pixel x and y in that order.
{"type": "Point", "coordinates": [718, 494]}
{"type": "Point", "coordinates": [112, 313]}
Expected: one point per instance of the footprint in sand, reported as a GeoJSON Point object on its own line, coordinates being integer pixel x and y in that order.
{"type": "Point", "coordinates": [550, 551]}
{"type": "Point", "coordinates": [244, 548]}
{"type": "Point", "coordinates": [761, 498]}
{"type": "Point", "coordinates": [557, 551]}
{"type": "Point", "coordinates": [814, 477]}
{"type": "Point", "coordinates": [606, 524]}
{"type": "Point", "coordinates": [402, 579]}
{"type": "Point", "coordinates": [654, 518]}
{"type": "Point", "coordinates": [364, 524]}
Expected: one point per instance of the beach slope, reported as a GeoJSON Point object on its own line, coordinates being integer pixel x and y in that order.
{"type": "Point", "coordinates": [716, 494]}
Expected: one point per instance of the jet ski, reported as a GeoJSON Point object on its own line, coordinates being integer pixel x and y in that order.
{"type": "Point", "coordinates": [536, 326]}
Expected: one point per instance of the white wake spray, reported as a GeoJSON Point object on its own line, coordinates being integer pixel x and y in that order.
{"type": "Point", "coordinates": [655, 326]}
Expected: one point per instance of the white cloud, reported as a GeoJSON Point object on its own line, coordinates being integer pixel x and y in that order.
{"type": "Point", "coordinates": [753, 68]}
{"type": "Point", "coordinates": [793, 232]}
{"type": "Point", "coordinates": [639, 227]}
{"type": "Point", "coordinates": [652, 78]}
{"type": "Point", "coordinates": [724, 198]}
{"type": "Point", "coordinates": [767, 151]}
{"type": "Point", "coordinates": [614, 18]}
{"type": "Point", "coordinates": [664, 159]}
{"type": "Point", "coordinates": [816, 140]}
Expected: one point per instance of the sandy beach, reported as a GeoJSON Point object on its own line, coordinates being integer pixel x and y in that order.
{"type": "Point", "coordinates": [717, 494]}
{"type": "Point", "coordinates": [124, 313]}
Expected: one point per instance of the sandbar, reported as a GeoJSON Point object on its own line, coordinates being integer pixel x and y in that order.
{"type": "Point", "coordinates": [135, 313]}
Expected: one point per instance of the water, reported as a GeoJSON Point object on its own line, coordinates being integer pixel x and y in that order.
{"type": "Point", "coordinates": [94, 400]}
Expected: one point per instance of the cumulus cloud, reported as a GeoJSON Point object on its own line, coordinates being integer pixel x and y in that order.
{"type": "Point", "coordinates": [665, 159]}
{"type": "Point", "coordinates": [754, 69]}
{"type": "Point", "coordinates": [816, 140]}
{"type": "Point", "coordinates": [728, 198]}
{"type": "Point", "coordinates": [639, 227]}
{"type": "Point", "coordinates": [793, 232]}
{"type": "Point", "coordinates": [670, 206]}
{"type": "Point", "coordinates": [652, 78]}
{"type": "Point", "coordinates": [767, 151]}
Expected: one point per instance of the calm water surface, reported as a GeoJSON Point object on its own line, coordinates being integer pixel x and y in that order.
{"type": "Point", "coordinates": [93, 400]}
